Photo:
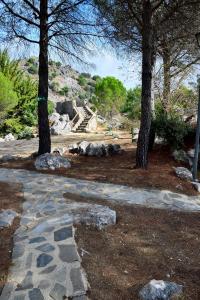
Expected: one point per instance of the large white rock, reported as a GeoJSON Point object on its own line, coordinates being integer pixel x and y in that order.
{"type": "Point", "coordinates": [9, 137]}
{"type": "Point", "coordinates": [183, 173]}
{"type": "Point", "coordinates": [54, 117]}
{"type": "Point", "coordinates": [160, 290]}
{"type": "Point", "coordinates": [51, 161]}
{"type": "Point", "coordinates": [2, 140]}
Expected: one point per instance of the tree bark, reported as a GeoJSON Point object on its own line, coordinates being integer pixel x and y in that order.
{"type": "Point", "coordinates": [167, 79]}
{"type": "Point", "coordinates": [43, 122]}
{"type": "Point", "coordinates": [147, 63]}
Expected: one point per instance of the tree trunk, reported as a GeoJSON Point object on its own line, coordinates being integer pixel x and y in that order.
{"type": "Point", "coordinates": [147, 63]}
{"type": "Point", "coordinates": [167, 81]}
{"type": "Point", "coordinates": [43, 122]}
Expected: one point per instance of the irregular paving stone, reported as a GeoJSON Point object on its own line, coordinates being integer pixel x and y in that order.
{"type": "Point", "coordinates": [58, 292]}
{"type": "Point", "coordinates": [45, 248]}
{"type": "Point", "coordinates": [18, 251]}
{"type": "Point", "coordinates": [35, 294]}
{"type": "Point", "coordinates": [6, 217]}
{"type": "Point", "coordinates": [44, 284]}
{"type": "Point", "coordinates": [160, 290]}
{"type": "Point", "coordinates": [29, 260]}
{"type": "Point", "coordinates": [20, 238]}
{"type": "Point", "coordinates": [82, 297]}
{"type": "Point", "coordinates": [43, 260]}
{"type": "Point", "coordinates": [38, 239]}
{"type": "Point", "coordinates": [19, 297]}
{"type": "Point", "coordinates": [27, 283]}
{"type": "Point", "coordinates": [48, 270]}
{"type": "Point", "coordinates": [61, 274]}
{"type": "Point", "coordinates": [7, 290]}
{"type": "Point", "coordinates": [76, 279]}
{"type": "Point", "coordinates": [68, 253]}
{"type": "Point", "coordinates": [63, 234]}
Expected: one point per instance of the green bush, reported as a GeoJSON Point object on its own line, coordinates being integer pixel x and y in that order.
{"type": "Point", "coordinates": [8, 97]}
{"type": "Point", "coordinates": [12, 125]}
{"type": "Point", "coordinates": [33, 69]}
{"type": "Point", "coordinates": [27, 134]}
{"type": "Point", "coordinates": [54, 86]}
{"type": "Point", "coordinates": [58, 64]}
{"type": "Point", "coordinates": [171, 128]}
{"type": "Point", "coordinates": [132, 105]}
{"type": "Point", "coordinates": [86, 75]}
{"type": "Point", "coordinates": [96, 77]}
{"type": "Point", "coordinates": [64, 91]}
{"type": "Point", "coordinates": [81, 80]}
{"type": "Point", "coordinates": [51, 107]}
{"type": "Point", "coordinates": [31, 60]}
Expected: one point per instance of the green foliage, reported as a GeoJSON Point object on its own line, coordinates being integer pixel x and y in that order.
{"type": "Point", "coordinates": [184, 98]}
{"type": "Point", "coordinates": [58, 64]}
{"type": "Point", "coordinates": [8, 97]}
{"type": "Point", "coordinates": [64, 91]}
{"type": "Point", "coordinates": [96, 77]}
{"type": "Point", "coordinates": [170, 127]}
{"type": "Point", "coordinates": [132, 105]}
{"type": "Point", "coordinates": [51, 107]}
{"type": "Point", "coordinates": [27, 133]}
{"type": "Point", "coordinates": [86, 75]}
{"type": "Point", "coordinates": [31, 60]}
{"type": "Point", "coordinates": [81, 80]}
{"type": "Point", "coordinates": [110, 95]}
{"type": "Point", "coordinates": [33, 69]}
{"type": "Point", "coordinates": [12, 125]}
{"type": "Point", "coordinates": [54, 86]}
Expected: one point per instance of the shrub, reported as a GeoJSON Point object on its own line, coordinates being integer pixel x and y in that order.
{"type": "Point", "coordinates": [53, 75]}
{"type": "Point", "coordinates": [86, 75]}
{"type": "Point", "coordinates": [81, 80]}
{"type": "Point", "coordinates": [58, 64]}
{"type": "Point", "coordinates": [27, 134]}
{"type": "Point", "coordinates": [64, 91]}
{"type": "Point", "coordinates": [12, 125]}
{"type": "Point", "coordinates": [51, 107]}
{"type": "Point", "coordinates": [33, 69]}
{"type": "Point", "coordinates": [31, 60]}
{"type": "Point", "coordinates": [96, 77]}
{"type": "Point", "coordinates": [171, 128]}
{"type": "Point", "coordinates": [54, 86]}
{"type": "Point", "coordinates": [132, 105]}
{"type": "Point", "coordinates": [8, 97]}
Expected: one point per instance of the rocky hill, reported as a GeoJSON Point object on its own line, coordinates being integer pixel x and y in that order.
{"type": "Point", "coordinates": [65, 83]}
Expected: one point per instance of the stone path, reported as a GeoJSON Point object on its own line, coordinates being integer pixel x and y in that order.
{"type": "Point", "coordinates": [46, 264]}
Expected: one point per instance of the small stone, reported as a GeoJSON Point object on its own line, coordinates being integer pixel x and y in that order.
{"type": "Point", "coordinates": [68, 253]}
{"type": "Point", "coordinates": [58, 292]}
{"type": "Point", "coordinates": [61, 274]}
{"type": "Point", "coordinates": [44, 284]}
{"type": "Point", "coordinates": [183, 173]}
{"type": "Point", "coordinates": [63, 234]}
{"type": "Point", "coordinates": [38, 239]}
{"type": "Point", "coordinates": [35, 294]}
{"type": "Point", "coordinates": [45, 248]}
{"type": "Point", "coordinates": [43, 260]}
{"type": "Point", "coordinates": [27, 283]}
{"type": "Point", "coordinates": [48, 270]}
{"type": "Point", "coordinates": [76, 279]}
{"type": "Point", "coordinates": [160, 290]}
{"type": "Point", "coordinates": [29, 260]}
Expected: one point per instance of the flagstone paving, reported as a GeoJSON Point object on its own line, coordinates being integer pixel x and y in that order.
{"type": "Point", "coordinates": [45, 261]}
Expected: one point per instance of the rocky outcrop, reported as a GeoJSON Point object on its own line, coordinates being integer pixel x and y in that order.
{"type": "Point", "coordinates": [51, 161]}
{"type": "Point", "coordinates": [59, 124]}
{"type": "Point", "coordinates": [94, 149]}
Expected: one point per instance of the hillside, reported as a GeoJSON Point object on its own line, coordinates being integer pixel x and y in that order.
{"type": "Point", "coordinates": [65, 83]}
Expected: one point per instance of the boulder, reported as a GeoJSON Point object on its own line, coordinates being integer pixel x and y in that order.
{"type": "Point", "coordinates": [94, 149]}
{"type": "Point", "coordinates": [160, 290]}
{"type": "Point", "coordinates": [60, 124]}
{"type": "Point", "coordinates": [59, 151]}
{"type": "Point", "coordinates": [54, 117]}
{"type": "Point", "coordinates": [196, 185]}
{"type": "Point", "coordinates": [183, 173]}
{"type": "Point", "coordinates": [9, 137]}
{"type": "Point", "coordinates": [2, 140]}
{"type": "Point", "coordinates": [51, 161]}
{"type": "Point", "coordinates": [180, 155]}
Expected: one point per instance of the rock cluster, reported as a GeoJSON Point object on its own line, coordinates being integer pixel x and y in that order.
{"type": "Point", "coordinates": [94, 149]}
{"type": "Point", "coordinates": [60, 124]}
{"type": "Point", "coordinates": [160, 290]}
{"type": "Point", "coordinates": [51, 161]}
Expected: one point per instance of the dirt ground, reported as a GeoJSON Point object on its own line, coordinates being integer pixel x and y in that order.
{"type": "Point", "coordinates": [11, 196]}
{"type": "Point", "coordinates": [145, 244]}
{"type": "Point", "coordinates": [120, 169]}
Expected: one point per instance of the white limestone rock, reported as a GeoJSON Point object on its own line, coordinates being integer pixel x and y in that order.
{"type": "Point", "coordinates": [51, 161]}
{"type": "Point", "coordinates": [183, 173]}
{"type": "Point", "coordinates": [9, 137]}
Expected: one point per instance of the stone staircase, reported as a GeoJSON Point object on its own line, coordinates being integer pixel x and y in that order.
{"type": "Point", "coordinates": [86, 117]}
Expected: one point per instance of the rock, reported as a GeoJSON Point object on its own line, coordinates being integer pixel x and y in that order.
{"type": "Point", "coordinates": [6, 217]}
{"type": "Point", "coordinates": [64, 118]}
{"type": "Point", "coordinates": [191, 153]}
{"type": "Point", "coordinates": [180, 155]}
{"type": "Point", "coordinates": [160, 290]}
{"type": "Point", "coordinates": [2, 140]}
{"type": "Point", "coordinates": [95, 149]}
{"type": "Point", "coordinates": [136, 130]}
{"type": "Point", "coordinates": [54, 117]}
{"type": "Point", "coordinates": [196, 185]}
{"type": "Point", "coordinates": [9, 137]}
{"type": "Point", "coordinates": [59, 151]}
{"type": "Point", "coordinates": [51, 161]}
{"type": "Point", "coordinates": [7, 157]}
{"type": "Point", "coordinates": [183, 173]}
